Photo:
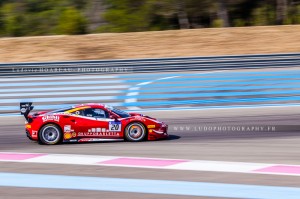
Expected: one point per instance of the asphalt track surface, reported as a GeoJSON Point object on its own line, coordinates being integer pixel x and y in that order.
{"type": "Point", "coordinates": [281, 146]}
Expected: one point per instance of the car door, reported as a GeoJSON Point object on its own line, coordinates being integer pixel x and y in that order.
{"type": "Point", "coordinates": [95, 123]}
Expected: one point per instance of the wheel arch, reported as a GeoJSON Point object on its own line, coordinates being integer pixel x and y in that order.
{"type": "Point", "coordinates": [137, 121]}
{"type": "Point", "coordinates": [47, 123]}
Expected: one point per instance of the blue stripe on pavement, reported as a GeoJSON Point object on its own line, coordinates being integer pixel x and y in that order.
{"type": "Point", "coordinates": [213, 101]}
{"type": "Point", "coordinates": [212, 95]}
{"type": "Point", "coordinates": [186, 82]}
{"type": "Point", "coordinates": [162, 96]}
{"type": "Point", "coordinates": [194, 108]}
{"type": "Point", "coordinates": [229, 88]}
{"type": "Point", "coordinates": [148, 186]}
{"type": "Point", "coordinates": [220, 89]}
{"type": "Point", "coordinates": [216, 81]}
{"type": "Point", "coordinates": [197, 83]}
{"type": "Point", "coordinates": [224, 77]}
{"type": "Point", "coordinates": [183, 94]}
{"type": "Point", "coordinates": [230, 92]}
{"type": "Point", "coordinates": [225, 102]}
{"type": "Point", "coordinates": [89, 87]}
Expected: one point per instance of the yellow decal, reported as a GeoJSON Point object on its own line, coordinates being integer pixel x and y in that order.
{"type": "Point", "coordinates": [151, 126]}
{"type": "Point", "coordinates": [150, 131]}
{"type": "Point", "coordinates": [67, 136]}
{"type": "Point", "coordinates": [28, 126]}
{"type": "Point", "coordinates": [77, 109]}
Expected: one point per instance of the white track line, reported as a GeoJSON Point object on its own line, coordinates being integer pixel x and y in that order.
{"type": "Point", "coordinates": [131, 94]}
{"type": "Point", "coordinates": [152, 163]}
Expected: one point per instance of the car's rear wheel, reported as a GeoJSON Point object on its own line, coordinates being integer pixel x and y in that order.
{"type": "Point", "coordinates": [135, 132]}
{"type": "Point", "coordinates": [50, 134]}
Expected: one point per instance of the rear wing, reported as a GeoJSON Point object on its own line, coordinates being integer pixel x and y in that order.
{"type": "Point", "coordinates": [25, 108]}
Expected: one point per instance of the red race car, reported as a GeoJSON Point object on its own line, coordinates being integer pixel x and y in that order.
{"type": "Point", "coordinates": [90, 122]}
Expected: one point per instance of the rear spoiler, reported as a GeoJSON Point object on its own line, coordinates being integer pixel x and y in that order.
{"type": "Point", "coordinates": [25, 108]}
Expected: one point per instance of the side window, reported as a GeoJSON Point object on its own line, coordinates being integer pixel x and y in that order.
{"type": "Point", "coordinates": [95, 112]}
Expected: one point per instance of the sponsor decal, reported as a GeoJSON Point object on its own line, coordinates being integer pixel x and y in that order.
{"type": "Point", "coordinates": [34, 134]}
{"type": "Point", "coordinates": [67, 128]}
{"type": "Point", "coordinates": [97, 130]}
{"type": "Point", "coordinates": [50, 118]}
{"type": "Point", "coordinates": [90, 140]}
{"type": "Point", "coordinates": [98, 134]}
{"type": "Point", "coordinates": [28, 126]}
{"type": "Point", "coordinates": [85, 140]}
{"type": "Point", "coordinates": [74, 134]}
{"type": "Point", "coordinates": [115, 126]}
{"type": "Point", "coordinates": [139, 117]}
{"type": "Point", "coordinates": [150, 131]}
{"type": "Point", "coordinates": [23, 110]}
{"type": "Point", "coordinates": [67, 136]}
{"type": "Point", "coordinates": [151, 126]}
{"type": "Point", "coordinates": [64, 113]}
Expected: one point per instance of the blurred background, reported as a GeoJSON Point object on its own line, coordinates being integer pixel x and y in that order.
{"type": "Point", "coordinates": [52, 17]}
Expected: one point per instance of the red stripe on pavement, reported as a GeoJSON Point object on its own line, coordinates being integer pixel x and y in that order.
{"type": "Point", "coordinates": [18, 156]}
{"type": "Point", "coordinates": [280, 169]}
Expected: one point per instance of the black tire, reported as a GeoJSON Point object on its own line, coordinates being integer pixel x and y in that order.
{"type": "Point", "coordinates": [50, 134]}
{"type": "Point", "coordinates": [135, 132]}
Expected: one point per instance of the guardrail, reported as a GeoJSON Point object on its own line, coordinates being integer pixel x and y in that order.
{"type": "Point", "coordinates": [151, 65]}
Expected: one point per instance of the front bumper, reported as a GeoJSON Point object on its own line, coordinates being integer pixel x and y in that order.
{"type": "Point", "coordinates": [160, 133]}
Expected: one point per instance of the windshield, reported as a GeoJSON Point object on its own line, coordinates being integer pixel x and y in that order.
{"type": "Point", "coordinates": [119, 112]}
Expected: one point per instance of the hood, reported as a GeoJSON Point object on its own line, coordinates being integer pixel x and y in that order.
{"type": "Point", "coordinates": [139, 114]}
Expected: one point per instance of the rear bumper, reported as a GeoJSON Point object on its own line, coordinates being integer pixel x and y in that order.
{"type": "Point", "coordinates": [31, 134]}
{"type": "Point", "coordinates": [28, 135]}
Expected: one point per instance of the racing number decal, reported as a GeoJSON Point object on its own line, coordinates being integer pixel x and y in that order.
{"type": "Point", "coordinates": [115, 126]}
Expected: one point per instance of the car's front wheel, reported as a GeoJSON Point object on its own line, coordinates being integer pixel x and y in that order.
{"type": "Point", "coordinates": [135, 132]}
{"type": "Point", "coordinates": [50, 134]}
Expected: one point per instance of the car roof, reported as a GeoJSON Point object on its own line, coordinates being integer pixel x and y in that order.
{"type": "Point", "coordinates": [92, 105]}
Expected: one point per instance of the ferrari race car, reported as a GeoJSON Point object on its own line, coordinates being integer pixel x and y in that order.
{"type": "Point", "coordinates": [90, 122]}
